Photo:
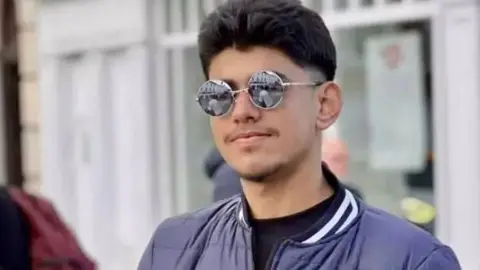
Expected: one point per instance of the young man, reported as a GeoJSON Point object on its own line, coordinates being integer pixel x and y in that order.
{"type": "Point", "coordinates": [270, 66]}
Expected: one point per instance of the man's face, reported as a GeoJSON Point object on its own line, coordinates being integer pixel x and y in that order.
{"type": "Point", "coordinates": [256, 142]}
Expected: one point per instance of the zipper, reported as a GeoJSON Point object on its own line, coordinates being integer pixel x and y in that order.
{"type": "Point", "coordinates": [274, 250]}
{"type": "Point", "coordinates": [270, 256]}
{"type": "Point", "coordinates": [252, 244]}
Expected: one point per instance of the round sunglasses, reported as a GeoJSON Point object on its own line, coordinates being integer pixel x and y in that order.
{"type": "Point", "coordinates": [265, 89]}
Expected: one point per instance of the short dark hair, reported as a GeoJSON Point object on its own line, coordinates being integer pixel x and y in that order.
{"type": "Point", "coordinates": [285, 25]}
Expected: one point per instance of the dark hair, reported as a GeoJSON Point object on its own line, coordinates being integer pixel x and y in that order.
{"type": "Point", "coordinates": [285, 25]}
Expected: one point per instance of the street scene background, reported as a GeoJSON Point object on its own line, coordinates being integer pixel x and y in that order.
{"type": "Point", "coordinates": [99, 114]}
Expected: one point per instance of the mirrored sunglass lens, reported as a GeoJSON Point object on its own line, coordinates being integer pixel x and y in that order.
{"type": "Point", "coordinates": [266, 89]}
{"type": "Point", "coordinates": [215, 98]}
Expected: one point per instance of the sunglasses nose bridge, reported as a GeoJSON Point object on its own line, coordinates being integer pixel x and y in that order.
{"type": "Point", "coordinates": [241, 95]}
{"type": "Point", "coordinates": [237, 92]}
{"type": "Point", "coordinates": [243, 103]}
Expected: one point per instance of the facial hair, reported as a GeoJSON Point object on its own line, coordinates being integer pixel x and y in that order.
{"type": "Point", "coordinates": [280, 169]}
{"type": "Point", "coordinates": [262, 176]}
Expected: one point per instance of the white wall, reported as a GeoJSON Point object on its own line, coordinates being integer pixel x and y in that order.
{"type": "Point", "coordinates": [456, 46]}
{"type": "Point", "coordinates": [97, 132]}
{"type": "Point", "coordinates": [76, 25]}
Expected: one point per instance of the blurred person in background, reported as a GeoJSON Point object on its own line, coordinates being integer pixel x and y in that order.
{"type": "Point", "coordinates": [335, 155]}
{"type": "Point", "coordinates": [293, 213]}
{"type": "Point", "coordinates": [226, 182]}
{"type": "Point", "coordinates": [34, 237]}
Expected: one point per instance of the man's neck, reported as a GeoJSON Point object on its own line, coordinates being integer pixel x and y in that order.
{"type": "Point", "coordinates": [284, 197]}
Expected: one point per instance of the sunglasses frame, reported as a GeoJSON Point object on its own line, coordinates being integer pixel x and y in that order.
{"type": "Point", "coordinates": [234, 92]}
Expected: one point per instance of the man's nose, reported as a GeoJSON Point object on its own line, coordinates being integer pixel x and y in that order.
{"type": "Point", "coordinates": [244, 110]}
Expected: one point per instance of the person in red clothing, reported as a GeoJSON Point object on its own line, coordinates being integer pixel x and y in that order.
{"type": "Point", "coordinates": [33, 235]}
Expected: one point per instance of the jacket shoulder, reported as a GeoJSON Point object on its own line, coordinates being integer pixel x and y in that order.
{"type": "Point", "coordinates": [180, 231]}
{"type": "Point", "coordinates": [397, 238]}
{"type": "Point", "coordinates": [186, 235]}
{"type": "Point", "coordinates": [395, 228]}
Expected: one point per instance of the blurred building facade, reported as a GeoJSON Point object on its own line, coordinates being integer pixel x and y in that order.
{"type": "Point", "coordinates": [123, 140]}
{"type": "Point", "coordinates": [19, 130]}
{"type": "Point", "coordinates": [29, 95]}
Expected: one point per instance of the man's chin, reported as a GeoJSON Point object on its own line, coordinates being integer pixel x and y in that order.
{"type": "Point", "coordinates": [254, 178]}
{"type": "Point", "coordinates": [258, 176]}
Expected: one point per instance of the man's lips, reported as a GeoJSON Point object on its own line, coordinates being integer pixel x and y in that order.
{"type": "Point", "coordinates": [248, 136]}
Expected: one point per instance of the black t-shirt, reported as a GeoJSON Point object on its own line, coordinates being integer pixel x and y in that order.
{"type": "Point", "coordinates": [269, 233]}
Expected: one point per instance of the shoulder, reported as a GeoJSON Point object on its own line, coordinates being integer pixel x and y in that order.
{"type": "Point", "coordinates": [177, 232]}
{"type": "Point", "coordinates": [397, 238]}
{"type": "Point", "coordinates": [187, 234]}
{"type": "Point", "coordinates": [388, 225]}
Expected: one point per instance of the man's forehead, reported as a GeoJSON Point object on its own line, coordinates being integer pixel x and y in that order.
{"type": "Point", "coordinates": [240, 65]}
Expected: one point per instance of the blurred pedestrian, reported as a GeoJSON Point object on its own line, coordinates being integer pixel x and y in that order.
{"type": "Point", "coordinates": [293, 212]}
{"type": "Point", "coordinates": [335, 155]}
{"type": "Point", "coordinates": [33, 236]}
{"type": "Point", "coordinates": [226, 182]}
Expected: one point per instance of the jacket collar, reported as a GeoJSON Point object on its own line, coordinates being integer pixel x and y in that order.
{"type": "Point", "coordinates": [343, 211]}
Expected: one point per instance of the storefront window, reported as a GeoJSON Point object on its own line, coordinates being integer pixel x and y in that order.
{"type": "Point", "coordinates": [384, 74]}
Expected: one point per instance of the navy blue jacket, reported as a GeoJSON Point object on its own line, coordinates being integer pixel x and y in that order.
{"type": "Point", "coordinates": [350, 236]}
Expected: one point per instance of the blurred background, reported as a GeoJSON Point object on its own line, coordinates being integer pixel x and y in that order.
{"type": "Point", "coordinates": [98, 112]}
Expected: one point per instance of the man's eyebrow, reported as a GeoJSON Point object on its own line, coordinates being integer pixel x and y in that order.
{"type": "Point", "coordinates": [230, 82]}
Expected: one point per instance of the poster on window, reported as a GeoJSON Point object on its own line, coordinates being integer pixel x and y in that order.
{"type": "Point", "coordinates": [396, 102]}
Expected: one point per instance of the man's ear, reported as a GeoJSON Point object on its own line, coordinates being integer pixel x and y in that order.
{"type": "Point", "coordinates": [329, 99]}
